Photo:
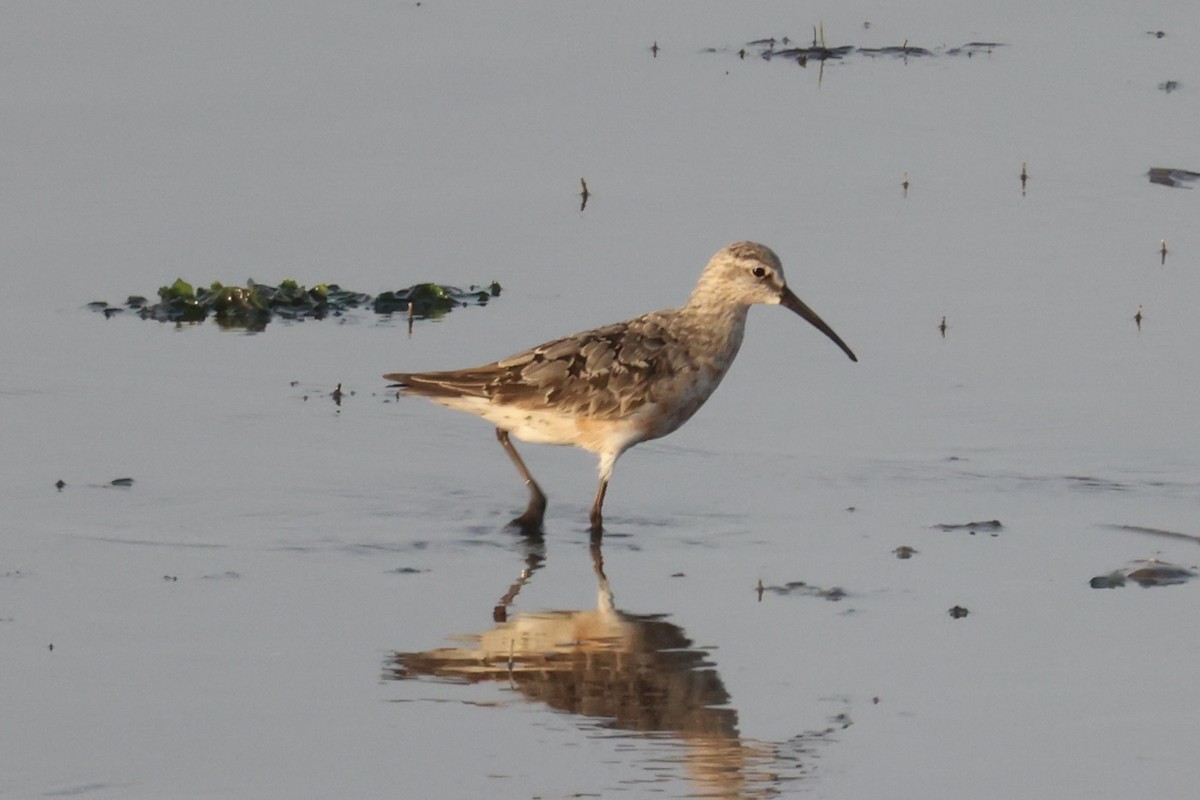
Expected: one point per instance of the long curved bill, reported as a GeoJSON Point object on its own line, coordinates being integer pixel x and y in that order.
{"type": "Point", "coordinates": [789, 300]}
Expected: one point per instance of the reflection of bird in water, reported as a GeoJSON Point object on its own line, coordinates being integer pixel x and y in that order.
{"type": "Point", "coordinates": [636, 672]}
{"type": "Point", "coordinates": [607, 389]}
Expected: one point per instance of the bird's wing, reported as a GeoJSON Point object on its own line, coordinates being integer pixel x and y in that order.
{"type": "Point", "coordinates": [602, 373]}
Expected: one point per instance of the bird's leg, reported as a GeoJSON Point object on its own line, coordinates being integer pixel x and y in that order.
{"type": "Point", "coordinates": [535, 559]}
{"type": "Point", "coordinates": [604, 600]}
{"type": "Point", "coordinates": [530, 521]}
{"type": "Point", "coordinates": [597, 517]}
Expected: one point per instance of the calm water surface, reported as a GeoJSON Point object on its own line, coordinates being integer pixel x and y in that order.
{"type": "Point", "coordinates": [296, 598]}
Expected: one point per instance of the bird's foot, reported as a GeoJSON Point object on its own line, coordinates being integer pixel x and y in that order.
{"type": "Point", "coordinates": [527, 525]}
{"type": "Point", "coordinates": [530, 521]}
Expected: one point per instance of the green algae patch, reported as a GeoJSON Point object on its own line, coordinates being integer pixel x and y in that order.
{"type": "Point", "coordinates": [432, 299]}
{"type": "Point", "coordinates": [253, 306]}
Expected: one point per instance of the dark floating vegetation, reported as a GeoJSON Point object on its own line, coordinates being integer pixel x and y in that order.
{"type": "Point", "coordinates": [252, 306]}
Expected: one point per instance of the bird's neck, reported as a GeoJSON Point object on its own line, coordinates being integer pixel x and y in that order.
{"type": "Point", "coordinates": [720, 324]}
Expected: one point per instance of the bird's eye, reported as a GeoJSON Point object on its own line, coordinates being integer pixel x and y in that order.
{"type": "Point", "coordinates": [759, 272]}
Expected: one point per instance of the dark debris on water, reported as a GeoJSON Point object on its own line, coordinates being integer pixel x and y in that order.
{"type": "Point", "coordinates": [1188, 537]}
{"type": "Point", "coordinates": [1175, 178]}
{"type": "Point", "coordinates": [252, 306]}
{"type": "Point", "coordinates": [991, 525]}
{"type": "Point", "coordinates": [119, 483]}
{"type": "Point", "coordinates": [800, 588]}
{"type": "Point", "coordinates": [786, 49]}
{"type": "Point", "coordinates": [1147, 574]}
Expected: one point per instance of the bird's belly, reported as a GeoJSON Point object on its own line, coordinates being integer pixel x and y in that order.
{"type": "Point", "coordinates": [591, 434]}
{"type": "Point", "coordinates": [548, 426]}
{"type": "Point", "coordinates": [651, 420]}
{"type": "Point", "coordinates": [570, 424]}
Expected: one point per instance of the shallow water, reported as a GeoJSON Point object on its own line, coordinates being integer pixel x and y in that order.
{"type": "Point", "coordinates": [233, 623]}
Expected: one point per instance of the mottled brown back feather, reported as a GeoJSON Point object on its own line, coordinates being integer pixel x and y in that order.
{"type": "Point", "coordinates": [590, 373]}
